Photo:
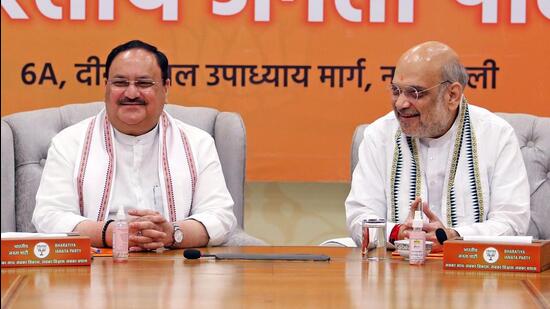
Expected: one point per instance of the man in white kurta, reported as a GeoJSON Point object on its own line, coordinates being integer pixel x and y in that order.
{"type": "Point", "coordinates": [165, 173]}
{"type": "Point", "coordinates": [137, 183]}
{"type": "Point", "coordinates": [461, 161]}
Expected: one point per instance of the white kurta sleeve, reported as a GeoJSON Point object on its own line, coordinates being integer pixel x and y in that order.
{"type": "Point", "coordinates": [212, 202]}
{"type": "Point", "coordinates": [56, 200]}
{"type": "Point", "coordinates": [509, 210]}
{"type": "Point", "coordinates": [367, 195]}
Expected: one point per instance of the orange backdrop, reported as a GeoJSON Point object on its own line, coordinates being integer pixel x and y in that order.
{"type": "Point", "coordinates": [294, 133]}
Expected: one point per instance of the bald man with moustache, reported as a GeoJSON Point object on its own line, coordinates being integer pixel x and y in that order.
{"type": "Point", "coordinates": [460, 162]}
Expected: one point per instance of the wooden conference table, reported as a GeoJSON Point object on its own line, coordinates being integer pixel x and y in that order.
{"type": "Point", "coordinates": [168, 280]}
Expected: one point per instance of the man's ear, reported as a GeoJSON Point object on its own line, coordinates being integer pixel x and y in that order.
{"type": "Point", "coordinates": [166, 86]}
{"type": "Point", "coordinates": [455, 93]}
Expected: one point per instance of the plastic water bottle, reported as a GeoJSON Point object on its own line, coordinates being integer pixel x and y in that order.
{"type": "Point", "coordinates": [417, 241]}
{"type": "Point", "coordinates": [120, 237]}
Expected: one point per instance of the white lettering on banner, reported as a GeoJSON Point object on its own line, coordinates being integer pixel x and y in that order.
{"type": "Point", "coordinates": [406, 11]}
{"type": "Point", "coordinates": [106, 10]}
{"type": "Point", "coordinates": [169, 7]}
{"type": "Point", "coordinates": [228, 8]}
{"type": "Point", "coordinates": [50, 10]}
{"type": "Point", "coordinates": [517, 11]}
{"type": "Point", "coordinates": [518, 14]}
{"type": "Point", "coordinates": [315, 11]}
{"type": "Point", "coordinates": [347, 11]}
{"type": "Point", "coordinates": [262, 9]}
{"type": "Point", "coordinates": [377, 11]}
{"type": "Point", "coordinates": [78, 9]}
{"type": "Point", "coordinates": [488, 9]}
{"type": "Point", "coordinates": [105, 7]}
{"type": "Point", "coordinates": [13, 9]}
{"type": "Point", "coordinates": [544, 7]}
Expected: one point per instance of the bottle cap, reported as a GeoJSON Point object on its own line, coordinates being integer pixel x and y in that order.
{"type": "Point", "coordinates": [120, 215]}
{"type": "Point", "coordinates": [417, 221]}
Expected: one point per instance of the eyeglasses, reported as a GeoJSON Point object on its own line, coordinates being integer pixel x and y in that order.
{"type": "Point", "coordinates": [411, 93]}
{"type": "Point", "coordinates": [124, 83]}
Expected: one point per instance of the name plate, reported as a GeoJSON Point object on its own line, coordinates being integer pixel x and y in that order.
{"type": "Point", "coordinates": [486, 256]}
{"type": "Point", "coordinates": [46, 251]}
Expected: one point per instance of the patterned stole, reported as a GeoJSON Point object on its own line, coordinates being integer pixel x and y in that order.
{"type": "Point", "coordinates": [406, 171]}
{"type": "Point", "coordinates": [95, 175]}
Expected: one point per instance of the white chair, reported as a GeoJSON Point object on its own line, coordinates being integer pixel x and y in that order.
{"type": "Point", "coordinates": [26, 138]}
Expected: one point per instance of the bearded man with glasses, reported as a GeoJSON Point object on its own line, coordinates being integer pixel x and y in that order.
{"type": "Point", "coordinates": [123, 157]}
{"type": "Point", "coordinates": [458, 163]}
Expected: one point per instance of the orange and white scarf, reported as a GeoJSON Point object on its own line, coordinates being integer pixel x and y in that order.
{"type": "Point", "coordinates": [95, 173]}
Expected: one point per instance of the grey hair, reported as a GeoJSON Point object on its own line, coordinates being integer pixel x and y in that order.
{"type": "Point", "coordinates": [454, 71]}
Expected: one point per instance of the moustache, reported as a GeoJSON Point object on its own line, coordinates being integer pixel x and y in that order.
{"type": "Point", "coordinates": [407, 113]}
{"type": "Point", "coordinates": [127, 101]}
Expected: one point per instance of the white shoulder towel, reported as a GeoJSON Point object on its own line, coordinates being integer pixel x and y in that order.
{"type": "Point", "coordinates": [94, 177]}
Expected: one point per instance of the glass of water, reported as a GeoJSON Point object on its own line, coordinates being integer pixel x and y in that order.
{"type": "Point", "coordinates": [373, 245]}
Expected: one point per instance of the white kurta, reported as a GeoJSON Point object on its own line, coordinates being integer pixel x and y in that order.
{"type": "Point", "coordinates": [136, 183]}
{"type": "Point", "coordinates": [502, 175]}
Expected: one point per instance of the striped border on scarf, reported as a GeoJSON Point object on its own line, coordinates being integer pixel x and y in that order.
{"type": "Point", "coordinates": [416, 175]}
{"type": "Point", "coordinates": [397, 165]}
{"type": "Point", "coordinates": [465, 131]}
{"type": "Point", "coordinates": [82, 167]}
{"type": "Point", "coordinates": [451, 195]}
{"type": "Point", "coordinates": [166, 168]}
{"type": "Point", "coordinates": [473, 168]}
{"type": "Point", "coordinates": [110, 169]}
{"type": "Point", "coordinates": [190, 163]}
{"type": "Point", "coordinates": [479, 192]}
{"type": "Point", "coordinates": [167, 176]}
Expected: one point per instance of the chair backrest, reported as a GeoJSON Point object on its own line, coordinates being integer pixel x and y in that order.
{"type": "Point", "coordinates": [533, 135]}
{"type": "Point", "coordinates": [8, 181]}
{"type": "Point", "coordinates": [26, 138]}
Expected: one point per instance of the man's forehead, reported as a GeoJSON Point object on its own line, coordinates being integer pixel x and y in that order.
{"type": "Point", "coordinates": [135, 59]}
{"type": "Point", "coordinates": [135, 54]}
{"type": "Point", "coordinates": [415, 74]}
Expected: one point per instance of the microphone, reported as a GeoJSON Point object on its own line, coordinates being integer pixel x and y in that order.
{"type": "Point", "coordinates": [193, 254]}
{"type": "Point", "coordinates": [441, 235]}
